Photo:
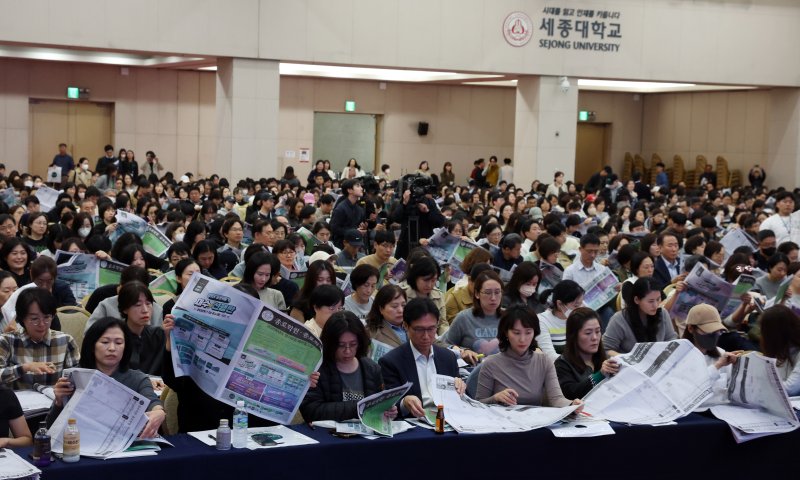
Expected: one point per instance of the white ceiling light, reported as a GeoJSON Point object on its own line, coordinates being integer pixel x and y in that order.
{"type": "Point", "coordinates": [86, 56]}
{"type": "Point", "coordinates": [381, 74]}
{"type": "Point", "coordinates": [627, 86]}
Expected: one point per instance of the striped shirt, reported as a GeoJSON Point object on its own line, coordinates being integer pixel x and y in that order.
{"type": "Point", "coordinates": [18, 348]}
{"type": "Point", "coordinates": [557, 329]}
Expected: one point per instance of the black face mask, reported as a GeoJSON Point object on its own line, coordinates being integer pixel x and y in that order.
{"type": "Point", "coordinates": [707, 342]}
{"type": "Point", "coordinates": [768, 252]}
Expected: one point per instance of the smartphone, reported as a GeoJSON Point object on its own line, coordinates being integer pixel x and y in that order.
{"type": "Point", "coordinates": [266, 439]}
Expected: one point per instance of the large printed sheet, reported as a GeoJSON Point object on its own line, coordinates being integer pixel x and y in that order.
{"type": "Point", "coordinates": [658, 382]}
{"type": "Point", "coordinates": [237, 348]}
{"type": "Point", "coordinates": [85, 272]}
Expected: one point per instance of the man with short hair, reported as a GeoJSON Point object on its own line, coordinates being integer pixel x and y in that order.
{"type": "Point", "coordinates": [767, 244]}
{"type": "Point", "coordinates": [348, 214]}
{"type": "Point", "coordinates": [510, 252]}
{"type": "Point", "coordinates": [419, 360]}
{"type": "Point", "coordinates": [325, 207]}
{"type": "Point", "coordinates": [783, 223]}
{"type": "Point", "coordinates": [351, 252]}
{"type": "Point", "coordinates": [152, 166]}
{"type": "Point", "coordinates": [105, 161]}
{"type": "Point", "coordinates": [8, 227]}
{"type": "Point", "coordinates": [384, 247]}
{"type": "Point", "coordinates": [63, 160]}
{"type": "Point", "coordinates": [586, 269]}
{"type": "Point", "coordinates": [662, 180]}
{"type": "Point", "coordinates": [667, 265]}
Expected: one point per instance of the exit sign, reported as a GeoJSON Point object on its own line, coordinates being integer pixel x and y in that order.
{"type": "Point", "coordinates": [586, 116]}
{"type": "Point", "coordinates": [77, 93]}
{"type": "Point", "coordinates": [350, 106]}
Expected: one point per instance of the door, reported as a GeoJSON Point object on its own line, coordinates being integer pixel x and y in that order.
{"type": "Point", "coordinates": [338, 137]}
{"type": "Point", "coordinates": [84, 126]}
{"type": "Point", "coordinates": [590, 149]}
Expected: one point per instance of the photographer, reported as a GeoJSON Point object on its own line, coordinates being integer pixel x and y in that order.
{"type": "Point", "coordinates": [348, 214]}
{"type": "Point", "coordinates": [418, 215]}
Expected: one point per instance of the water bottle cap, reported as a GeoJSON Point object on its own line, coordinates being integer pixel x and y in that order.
{"type": "Point", "coordinates": [240, 403]}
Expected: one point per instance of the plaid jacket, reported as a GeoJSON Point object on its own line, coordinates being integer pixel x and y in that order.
{"type": "Point", "coordinates": [18, 348]}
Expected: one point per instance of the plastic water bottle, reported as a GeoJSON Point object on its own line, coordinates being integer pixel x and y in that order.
{"type": "Point", "coordinates": [223, 435]}
{"type": "Point", "coordinates": [41, 446]}
{"type": "Point", "coordinates": [240, 426]}
{"type": "Point", "coordinates": [72, 442]}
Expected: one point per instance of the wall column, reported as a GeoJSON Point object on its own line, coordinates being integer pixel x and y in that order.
{"type": "Point", "coordinates": [248, 93]}
{"type": "Point", "coordinates": [783, 140]}
{"type": "Point", "coordinates": [545, 130]}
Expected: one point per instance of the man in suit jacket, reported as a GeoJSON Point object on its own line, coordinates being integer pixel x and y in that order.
{"type": "Point", "coordinates": [419, 361]}
{"type": "Point", "coordinates": [667, 265]}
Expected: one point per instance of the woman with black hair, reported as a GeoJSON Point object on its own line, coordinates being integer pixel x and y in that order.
{"type": "Point", "coordinates": [258, 274]}
{"type": "Point", "coordinates": [146, 341]}
{"type": "Point", "coordinates": [642, 320]}
{"type": "Point", "coordinates": [521, 289]}
{"type": "Point", "coordinates": [583, 363]}
{"type": "Point", "coordinates": [363, 279]}
{"type": "Point", "coordinates": [347, 375]}
{"type": "Point", "coordinates": [16, 258]}
{"type": "Point", "coordinates": [561, 300]}
{"type": "Point", "coordinates": [423, 274]}
{"type": "Point", "coordinates": [36, 232]}
{"type": "Point", "coordinates": [385, 318]}
{"type": "Point", "coordinates": [474, 330]}
{"type": "Point", "coordinates": [107, 347]}
{"type": "Point", "coordinates": [519, 375]}
{"type": "Point", "coordinates": [205, 252]}
{"type": "Point", "coordinates": [319, 273]}
{"type": "Point", "coordinates": [325, 300]}
{"type": "Point", "coordinates": [184, 270]}
{"type": "Point", "coordinates": [780, 339]}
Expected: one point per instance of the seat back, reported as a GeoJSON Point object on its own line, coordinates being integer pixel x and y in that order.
{"type": "Point", "coordinates": [73, 322]}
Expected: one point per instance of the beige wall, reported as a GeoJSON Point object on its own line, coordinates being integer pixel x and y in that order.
{"type": "Point", "coordinates": [747, 42]}
{"type": "Point", "coordinates": [624, 112]}
{"type": "Point", "coordinates": [732, 124]}
{"type": "Point", "coordinates": [466, 123]}
{"type": "Point", "coordinates": [169, 112]}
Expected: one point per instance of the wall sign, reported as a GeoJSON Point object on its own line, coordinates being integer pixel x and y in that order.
{"type": "Point", "coordinates": [562, 28]}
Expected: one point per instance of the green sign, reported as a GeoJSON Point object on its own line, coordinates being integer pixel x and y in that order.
{"type": "Point", "coordinates": [350, 106]}
{"type": "Point", "coordinates": [583, 116]}
{"type": "Point", "coordinates": [73, 92]}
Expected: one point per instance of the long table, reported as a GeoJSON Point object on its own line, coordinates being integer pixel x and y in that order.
{"type": "Point", "coordinates": [671, 451]}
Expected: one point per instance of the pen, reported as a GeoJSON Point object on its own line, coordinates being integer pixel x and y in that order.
{"type": "Point", "coordinates": [212, 437]}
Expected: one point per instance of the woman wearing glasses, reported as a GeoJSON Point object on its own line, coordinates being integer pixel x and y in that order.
{"type": "Point", "coordinates": [475, 330]}
{"type": "Point", "coordinates": [325, 300]}
{"type": "Point", "coordinates": [35, 353]}
{"type": "Point", "coordinates": [346, 374]}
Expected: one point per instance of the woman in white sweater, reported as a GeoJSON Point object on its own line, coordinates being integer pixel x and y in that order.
{"type": "Point", "coordinates": [780, 339]}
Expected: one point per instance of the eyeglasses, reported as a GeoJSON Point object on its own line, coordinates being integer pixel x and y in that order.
{"type": "Point", "coordinates": [492, 293]}
{"type": "Point", "coordinates": [743, 269]}
{"type": "Point", "coordinates": [288, 252]}
{"type": "Point", "coordinates": [422, 330]}
{"type": "Point", "coordinates": [348, 346]}
{"type": "Point", "coordinates": [36, 321]}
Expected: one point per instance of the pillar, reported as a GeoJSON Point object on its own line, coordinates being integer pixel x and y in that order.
{"type": "Point", "coordinates": [783, 140]}
{"type": "Point", "coordinates": [247, 118]}
{"type": "Point", "coordinates": [545, 129]}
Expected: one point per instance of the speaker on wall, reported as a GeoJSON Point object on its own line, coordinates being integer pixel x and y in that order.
{"type": "Point", "coordinates": [422, 128]}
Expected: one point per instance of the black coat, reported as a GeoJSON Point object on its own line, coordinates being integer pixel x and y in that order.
{"type": "Point", "coordinates": [325, 401]}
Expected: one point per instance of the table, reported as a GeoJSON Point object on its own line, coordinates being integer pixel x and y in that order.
{"type": "Point", "coordinates": [672, 451]}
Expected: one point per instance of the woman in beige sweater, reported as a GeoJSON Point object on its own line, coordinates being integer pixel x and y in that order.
{"type": "Point", "coordinates": [519, 375]}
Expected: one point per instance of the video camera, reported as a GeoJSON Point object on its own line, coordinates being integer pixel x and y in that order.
{"type": "Point", "coordinates": [419, 185]}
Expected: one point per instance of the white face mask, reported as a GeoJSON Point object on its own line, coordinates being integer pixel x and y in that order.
{"type": "Point", "coordinates": [81, 195]}
{"type": "Point", "coordinates": [28, 183]}
{"type": "Point", "coordinates": [527, 290]}
{"type": "Point", "coordinates": [85, 166]}
{"type": "Point", "coordinates": [84, 231]}
{"type": "Point", "coordinates": [244, 192]}
{"type": "Point", "coordinates": [179, 237]}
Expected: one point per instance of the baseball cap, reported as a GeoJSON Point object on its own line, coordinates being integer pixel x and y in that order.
{"type": "Point", "coordinates": [184, 179]}
{"type": "Point", "coordinates": [320, 255]}
{"type": "Point", "coordinates": [705, 317]}
{"type": "Point", "coordinates": [309, 199]}
{"type": "Point", "coordinates": [354, 238]}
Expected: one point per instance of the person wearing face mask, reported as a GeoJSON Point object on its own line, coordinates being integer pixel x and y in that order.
{"type": "Point", "coordinates": [521, 289]}
{"type": "Point", "coordinates": [642, 320]}
{"type": "Point", "coordinates": [565, 297]}
{"type": "Point", "coordinates": [81, 175]}
{"type": "Point", "coordinates": [766, 248]}
{"type": "Point", "coordinates": [703, 329]}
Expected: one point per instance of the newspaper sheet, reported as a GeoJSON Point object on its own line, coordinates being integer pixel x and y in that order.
{"type": "Point", "coordinates": [85, 272]}
{"type": "Point", "coordinates": [371, 409]}
{"type": "Point", "coordinates": [703, 286]}
{"type": "Point", "coordinates": [237, 348]}
{"type": "Point", "coordinates": [601, 290]}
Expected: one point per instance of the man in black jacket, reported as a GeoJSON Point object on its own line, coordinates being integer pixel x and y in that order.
{"type": "Point", "coordinates": [417, 220]}
{"type": "Point", "coordinates": [419, 361]}
{"type": "Point", "coordinates": [348, 214]}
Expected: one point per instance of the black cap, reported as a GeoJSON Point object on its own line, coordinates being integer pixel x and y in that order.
{"type": "Point", "coordinates": [354, 238]}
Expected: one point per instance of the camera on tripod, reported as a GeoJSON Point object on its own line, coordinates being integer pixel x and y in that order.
{"type": "Point", "coordinates": [419, 186]}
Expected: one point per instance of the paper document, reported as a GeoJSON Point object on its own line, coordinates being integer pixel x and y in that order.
{"type": "Point", "coordinates": [657, 382]}
{"type": "Point", "coordinates": [759, 404]}
{"type": "Point", "coordinates": [581, 427]}
{"type": "Point", "coordinates": [371, 409]}
{"type": "Point", "coordinates": [110, 415]}
{"type": "Point", "coordinates": [85, 272]}
{"type": "Point", "coordinates": [237, 348]}
{"type": "Point", "coordinates": [14, 466]}
{"type": "Point", "coordinates": [703, 286]}
{"type": "Point", "coordinates": [600, 290]}
{"type": "Point", "coordinates": [37, 401]}
{"type": "Point", "coordinates": [466, 415]}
